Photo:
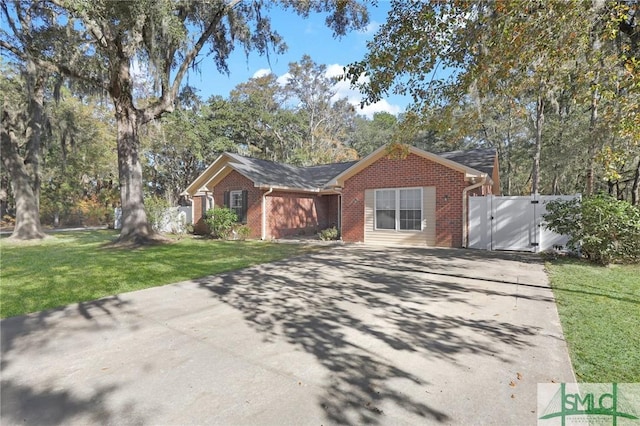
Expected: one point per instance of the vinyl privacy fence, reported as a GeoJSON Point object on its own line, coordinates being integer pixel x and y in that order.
{"type": "Point", "coordinates": [513, 223]}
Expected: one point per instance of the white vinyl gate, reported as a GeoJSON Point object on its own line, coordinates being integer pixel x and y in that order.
{"type": "Point", "coordinates": [512, 223]}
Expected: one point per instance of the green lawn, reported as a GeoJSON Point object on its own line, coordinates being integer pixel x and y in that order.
{"type": "Point", "coordinates": [599, 309]}
{"type": "Point", "coordinates": [72, 267]}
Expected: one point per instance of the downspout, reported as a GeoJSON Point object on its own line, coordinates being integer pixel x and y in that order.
{"type": "Point", "coordinates": [339, 218]}
{"type": "Point", "coordinates": [465, 204]}
{"type": "Point", "coordinates": [264, 212]}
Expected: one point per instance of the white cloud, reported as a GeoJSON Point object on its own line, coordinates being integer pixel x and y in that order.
{"type": "Point", "coordinates": [283, 79]}
{"type": "Point", "coordinates": [354, 97]}
{"type": "Point", "coordinates": [371, 28]}
{"type": "Point", "coordinates": [261, 73]}
{"type": "Point", "coordinates": [343, 90]}
{"type": "Point", "coordinates": [381, 106]}
{"type": "Point", "coordinates": [334, 70]}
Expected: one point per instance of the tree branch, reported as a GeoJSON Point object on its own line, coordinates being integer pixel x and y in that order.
{"type": "Point", "coordinates": [10, 20]}
{"type": "Point", "coordinates": [169, 93]}
{"type": "Point", "coordinates": [19, 53]}
{"type": "Point", "coordinates": [101, 36]}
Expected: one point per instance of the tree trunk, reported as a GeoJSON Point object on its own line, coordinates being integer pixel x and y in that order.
{"type": "Point", "coordinates": [593, 136]}
{"type": "Point", "coordinates": [25, 171]}
{"type": "Point", "coordinates": [535, 172]}
{"type": "Point", "coordinates": [135, 226]}
{"type": "Point", "coordinates": [635, 189]}
{"type": "Point", "coordinates": [27, 225]}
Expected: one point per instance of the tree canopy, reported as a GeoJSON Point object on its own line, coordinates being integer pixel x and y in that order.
{"type": "Point", "coordinates": [560, 77]}
{"type": "Point", "coordinates": [97, 43]}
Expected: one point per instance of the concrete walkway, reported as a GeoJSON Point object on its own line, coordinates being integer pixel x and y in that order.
{"type": "Point", "coordinates": [350, 335]}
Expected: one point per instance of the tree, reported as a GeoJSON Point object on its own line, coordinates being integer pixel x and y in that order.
{"type": "Point", "coordinates": [23, 117]}
{"type": "Point", "coordinates": [311, 93]}
{"type": "Point", "coordinates": [299, 123]}
{"type": "Point", "coordinates": [79, 170]}
{"type": "Point", "coordinates": [22, 123]}
{"type": "Point", "coordinates": [372, 134]}
{"type": "Point", "coordinates": [105, 39]}
{"type": "Point", "coordinates": [527, 55]}
{"type": "Point", "coordinates": [180, 145]}
{"type": "Point", "coordinates": [263, 121]}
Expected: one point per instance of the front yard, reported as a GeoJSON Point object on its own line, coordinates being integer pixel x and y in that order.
{"type": "Point", "coordinates": [599, 309]}
{"type": "Point", "coordinates": [71, 267]}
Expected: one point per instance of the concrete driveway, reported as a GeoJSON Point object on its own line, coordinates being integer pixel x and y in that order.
{"type": "Point", "coordinates": [350, 335]}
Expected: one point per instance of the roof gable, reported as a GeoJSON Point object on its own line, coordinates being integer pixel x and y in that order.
{"type": "Point", "coordinates": [438, 158]}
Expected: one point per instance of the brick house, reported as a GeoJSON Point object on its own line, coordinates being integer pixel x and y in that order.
{"type": "Point", "coordinates": [418, 198]}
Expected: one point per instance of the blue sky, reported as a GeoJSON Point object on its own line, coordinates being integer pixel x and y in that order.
{"type": "Point", "coordinates": [303, 36]}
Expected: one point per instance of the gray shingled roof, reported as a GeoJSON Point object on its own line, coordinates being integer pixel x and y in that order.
{"type": "Point", "coordinates": [268, 173]}
{"type": "Point", "coordinates": [480, 159]}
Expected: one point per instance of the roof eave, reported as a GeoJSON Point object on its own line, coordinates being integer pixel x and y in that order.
{"type": "Point", "coordinates": [198, 182]}
{"type": "Point", "coordinates": [286, 188]}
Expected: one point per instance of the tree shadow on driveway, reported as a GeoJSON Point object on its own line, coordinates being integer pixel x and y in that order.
{"type": "Point", "coordinates": [370, 318]}
{"type": "Point", "coordinates": [47, 401]}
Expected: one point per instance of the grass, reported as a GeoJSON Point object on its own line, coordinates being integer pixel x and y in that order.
{"type": "Point", "coordinates": [71, 267]}
{"type": "Point", "coordinates": [599, 309]}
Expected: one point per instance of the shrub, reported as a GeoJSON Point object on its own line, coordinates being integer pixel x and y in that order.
{"type": "Point", "coordinates": [189, 228]}
{"type": "Point", "coordinates": [243, 232]}
{"type": "Point", "coordinates": [156, 208]}
{"type": "Point", "coordinates": [605, 229]}
{"type": "Point", "coordinates": [329, 234]}
{"type": "Point", "coordinates": [92, 212]}
{"type": "Point", "coordinates": [221, 221]}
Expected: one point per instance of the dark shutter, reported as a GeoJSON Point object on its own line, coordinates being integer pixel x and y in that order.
{"type": "Point", "coordinates": [245, 206]}
{"type": "Point", "coordinates": [227, 203]}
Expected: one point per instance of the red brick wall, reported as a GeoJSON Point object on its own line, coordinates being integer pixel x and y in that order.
{"type": "Point", "coordinates": [413, 171]}
{"type": "Point", "coordinates": [291, 214]}
{"type": "Point", "coordinates": [288, 214]}
{"type": "Point", "coordinates": [234, 181]}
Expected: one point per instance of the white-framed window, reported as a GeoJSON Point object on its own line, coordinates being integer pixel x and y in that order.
{"type": "Point", "coordinates": [235, 203]}
{"type": "Point", "coordinates": [398, 209]}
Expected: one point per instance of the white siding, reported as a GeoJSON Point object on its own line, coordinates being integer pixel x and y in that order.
{"type": "Point", "coordinates": [426, 237]}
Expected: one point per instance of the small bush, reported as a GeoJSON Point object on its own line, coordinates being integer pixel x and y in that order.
{"type": "Point", "coordinates": [605, 229]}
{"type": "Point", "coordinates": [93, 212]}
{"type": "Point", "coordinates": [329, 234]}
{"type": "Point", "coordinates": [221, 221]}
{"type": "Point", "coordinates": [243, 232]}
{"type": "Point", "coordinates": [156, 208]}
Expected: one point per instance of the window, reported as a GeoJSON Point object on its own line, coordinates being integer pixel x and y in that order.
{"type": "Point", "coordinates": [386, 209]}
{"type": "Point", "coordinates": [237, 201]}
{"type": "Point", "coordinates": [410, 209]}
{"type": "Point", "coordinates": [398, 209]}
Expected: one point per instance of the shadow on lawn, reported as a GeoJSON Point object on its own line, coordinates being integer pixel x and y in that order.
{"type": "Point", "coordinates": [48, 402]}
{"type": "Point", "coordinates": [338, 308]}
